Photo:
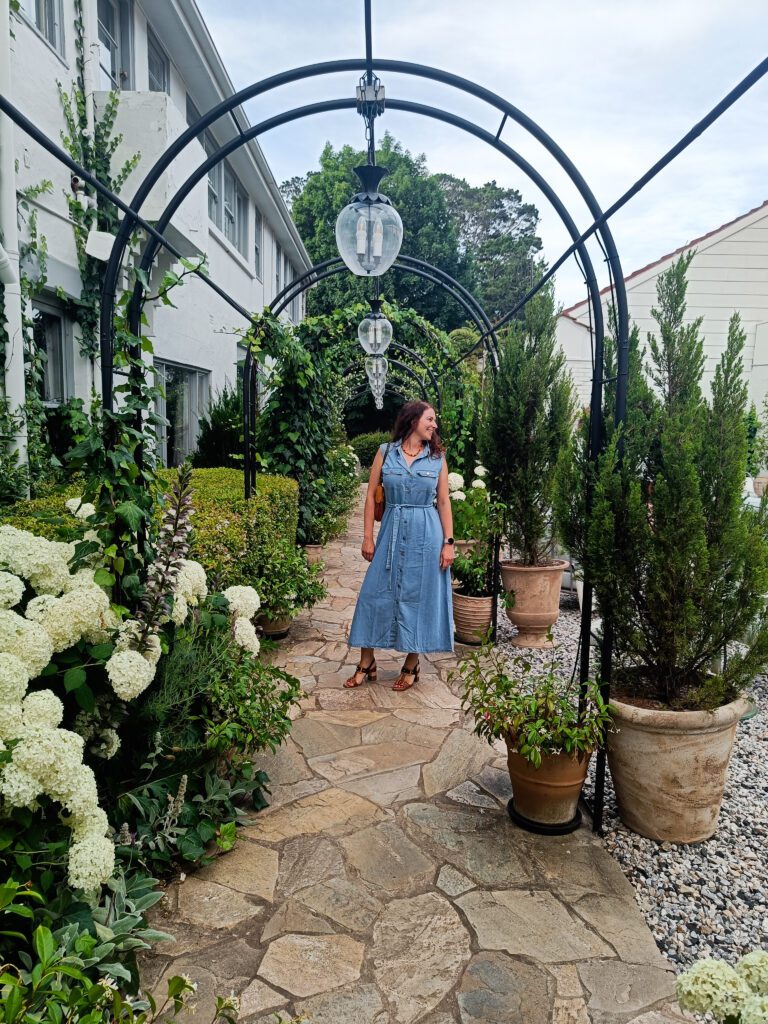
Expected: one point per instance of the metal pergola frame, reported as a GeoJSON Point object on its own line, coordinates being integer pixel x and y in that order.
{"type": "Point", "coordinates": [133, 220]}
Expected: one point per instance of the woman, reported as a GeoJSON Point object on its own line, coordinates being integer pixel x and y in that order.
{"type": "Point", "coordinates": [405, 601]}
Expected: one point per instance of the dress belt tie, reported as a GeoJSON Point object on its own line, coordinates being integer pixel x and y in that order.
{"type": "Point", "coordinates": [396, 516]}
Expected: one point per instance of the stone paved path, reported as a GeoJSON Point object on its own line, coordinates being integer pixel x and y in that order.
{"type": "Point", "coordinates": [386, 882]}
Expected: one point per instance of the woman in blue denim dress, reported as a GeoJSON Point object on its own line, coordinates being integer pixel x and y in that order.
{"type": "Point", "coordinates": [405, 602]}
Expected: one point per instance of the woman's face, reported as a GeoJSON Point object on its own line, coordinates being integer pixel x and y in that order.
{"type": "Point", "coordinates": [426, 425]}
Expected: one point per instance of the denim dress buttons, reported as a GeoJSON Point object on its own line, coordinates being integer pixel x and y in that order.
{"type": "Point", "coordinates": [405, 602]}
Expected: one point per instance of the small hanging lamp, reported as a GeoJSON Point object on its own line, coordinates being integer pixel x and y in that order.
{"type": "Point", "coordinates": [375, 331]}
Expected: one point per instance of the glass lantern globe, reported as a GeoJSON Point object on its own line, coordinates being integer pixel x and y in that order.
{"type": "Point", "coordinates": [376, 369]}
{"type": "Point", "coordinates": [369, 231]}
{"type": "Point", "coordinates": [375, 331]}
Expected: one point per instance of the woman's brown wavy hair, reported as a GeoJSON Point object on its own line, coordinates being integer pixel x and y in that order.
{"type": "Point", "coordinates": [407, 418]}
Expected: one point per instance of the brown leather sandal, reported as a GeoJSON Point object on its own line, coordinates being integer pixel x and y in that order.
{"type": "Point", "coordinates": [400, 682]}
{"type": "Point", "coordinates": [370, 673]}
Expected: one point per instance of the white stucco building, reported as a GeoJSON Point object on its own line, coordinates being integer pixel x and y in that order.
{"type": "Point", "coordinates": [161, 58]}
{"type": "Point", "coordinates": [729, 273]}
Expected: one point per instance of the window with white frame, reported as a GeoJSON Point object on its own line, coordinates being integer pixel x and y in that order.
{"type": "Point", "coordinates": [258, 242]}
{"type": "Point", "coordinates": [278, 268]}
{"type": "Point", "coordinates": [115, 51]}
{"type": "Point", "coordinates": [183, 401]}
{"type": "Point", "coordinates": [53, 342]}
{"type": "Point", "coordinates": [47, 17]}
{"type": "Point", "coordinates": [158, 65]}
{"type": "Point", "coordinates": [235, 214]}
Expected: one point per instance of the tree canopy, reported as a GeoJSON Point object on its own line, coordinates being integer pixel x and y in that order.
{"type": "Point", "coordinates": [483, 236]}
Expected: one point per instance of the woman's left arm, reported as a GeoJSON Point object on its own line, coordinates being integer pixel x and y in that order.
{"type": "Point", "coordinates": [447, 552]}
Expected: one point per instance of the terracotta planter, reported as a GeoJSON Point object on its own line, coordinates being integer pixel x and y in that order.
{"type": "Point", "coordinates": [546, 798]}
{"type": "Point", "coordinates": [275, 629]}
{"type": "Point", "coordinates": [314, 553]}
{"type": "Point", "coordinates": [463, 547]}
{"type": "Point", "coordinates": [471, 617]}
{"type": "Point", "coordinates": [537, 600]}
{"type": "Point", "coordinates": [669, 768]}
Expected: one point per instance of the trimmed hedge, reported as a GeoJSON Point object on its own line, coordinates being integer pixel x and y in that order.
{"type": "Point", "coordinates": [46, 516]}
{"type": "Point", "coordinates": [366, 446]}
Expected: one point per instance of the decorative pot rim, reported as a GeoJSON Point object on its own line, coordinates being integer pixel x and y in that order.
{"type": "Point", "coordinates": [579, 756]}
{"type": "Point", "coordinates": [557, 565]}
{"type": "Point", "coordinates": [665, 720]}
{"type": "Point", "coordinates": [471, 597]}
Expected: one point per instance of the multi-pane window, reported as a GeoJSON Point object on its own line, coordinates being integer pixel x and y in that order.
{"type": "Point", "coordinates": [278, 268]}
{"type": "Point", "coordinates": [235, 216]}
{"type": "Point", "coordinates": [114, 44]}
{"type": "Point", "coordinates": [158, 65]}
{"type": "Point", "coordinates": [258, 241]}
{"type": "Point", "coordinates": [46, 15]}
{"type": "Point", "coordinates": [183, 402]}
{"type": "Point", "coordinates": [51, 336]}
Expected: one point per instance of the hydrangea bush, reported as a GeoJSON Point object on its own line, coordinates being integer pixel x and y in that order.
{"type": "Point", "coordinates": [470, 506]}
{"type": "Point", "coordinates": [732, 995]}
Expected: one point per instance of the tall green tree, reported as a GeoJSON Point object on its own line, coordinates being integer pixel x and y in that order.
{"type": "Point", "coordinates": [430, 232]}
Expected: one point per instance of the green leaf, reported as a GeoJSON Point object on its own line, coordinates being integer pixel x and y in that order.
{"type": "Point", "coordinates": [104, 578]}
{"type": "Point", "coordinates": [44, 943]}
{"type": "Point", "coordinates": [101, 651]}
{"type": "Point", "coordinates": [131, 514]}
{"type": "Point", "coordinates": [74, 678]}
{"type": "Point", "coordinates": [85, 698]}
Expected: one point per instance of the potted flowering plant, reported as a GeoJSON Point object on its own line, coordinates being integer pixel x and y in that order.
{"type": "Point", "coordinates": [470, 510]}
{"type": "Point", "coordinates": [732, 995]}
{"type": "Point", "coordinates": [550, 735]}
{"type": "Point", "coordinates": [473, 596]}
{"type": "Point", "coordinates": [286, 584]}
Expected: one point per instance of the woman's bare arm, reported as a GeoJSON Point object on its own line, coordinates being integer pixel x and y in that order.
{"type": "Point", "coordinates": [369, 547]}
{"type": "Point", "coordinates": [446, 516]}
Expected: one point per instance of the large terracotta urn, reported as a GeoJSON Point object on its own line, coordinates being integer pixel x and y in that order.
{"type": "Point", "coordinates": [545, 799]}
{"type": "Point", "coordinates": [669, 768]}
{"type": "Point", "coordinates": [536, 605]}
{"type": "Point", "coordinates": [275, 629]}
{"type": "Point", "coordinates": [471, 617]}
{"type": "Point", "coordinates": [314, 553]}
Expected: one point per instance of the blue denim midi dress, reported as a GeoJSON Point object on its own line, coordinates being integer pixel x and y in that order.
{"type": "Point", "coordinates": [405, 602]}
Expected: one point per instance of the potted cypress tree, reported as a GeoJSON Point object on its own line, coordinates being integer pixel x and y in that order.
{"type": "Point", "coordinates": [527, 420]}
{"type": "Point", "coordinates": [680, 567]}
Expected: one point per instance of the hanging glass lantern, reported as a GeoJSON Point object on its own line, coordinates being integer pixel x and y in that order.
{"type": "Point", "coordinates": [376, 368]}
{"type": "Point", "coordinates": [369, 231]}
{"type": "Point", "coordinates": [375, 331]}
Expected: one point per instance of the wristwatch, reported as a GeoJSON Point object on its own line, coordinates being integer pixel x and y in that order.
{"type": "Point", "coordinates": [448, 540]}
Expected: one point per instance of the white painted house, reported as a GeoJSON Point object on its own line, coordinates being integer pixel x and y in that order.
{"type": "Point", "coordinates": [729, 273]}
{"type": "Point", "coordinates": [161, 58]}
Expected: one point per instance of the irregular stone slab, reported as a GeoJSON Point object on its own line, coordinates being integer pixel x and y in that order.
{"type": "Point", "coordinates": [385, 697]}
{"type": "Point", "coordinates": [368, 760]}
{"type": "Point", "coordinates": [480, 843]}
{"type": "Point", "coordinates": [434, 718]}
{"type": "Point", "coordinates": [306, 862]}
{"type": "Point", "coordinates": [575, 865]}
{"type": "Point", "coordinates": [567, 984]}
{"type": "Point", "coordinates": [620, 922]}
{"type": "Point", "coordinates": [435, 694]}
{"type": "Point", "coordinates": [307, 964]}
{"type": "Point", "coordinates": [343, 902]}
{"type": "Point", "coordinates": [666, 1015]}
{"type": "Point", "coordinates": [570, 1011]}
{"type": "Point", "coordinates": [360, 1004]}
{"type": "Point", "coordinates": [452, 882]}
{"type": "Point", "coordinates": [470, 794]}
{"type": "Point", "coordinates": [351, 717]}
{"type": "Point", "coordinates": [257, 997]}
{"type": "Point", "coordinates": [388, 787]}
{"type": "Point", "coordinates": [385, 857]}
{"type": "Point", "coordinates": [285, 765]}
{"type": "Point", "coordinates": [213, 905]}
{"type": "Point", "coordinates": [249, 868]}
{"type": "Point", "coordinates": [294, 917]}
{"type": "Point", "coordinates": [316, 736]}
{"type": "Point", "coordinates": [419, 949]}
{"type": "Point", "coordinates": [461, 756]}
{"type": "Point", "coordinates": [498, 990]}
{"type": "Point", "coordinates": [495, 781]}
{"type": "Point", "coordinates": [625, 988]}
{"type": "Point", "coordinates": [531, 923]}
{"type": "Point", "coordinates": [390, 730]}
{"type": "Point", "coordinates": [228, 961]}
{"type": "Point", "coordinates": [208, 988]}
{"type": "Point", "coordinates": [331, 811]}
{"type": "Point", "coordinates": [281, 795]}
{"type": "Point", "coordinates": [188, 937]}
{"type": "Point", "coordinates": [340, 700]}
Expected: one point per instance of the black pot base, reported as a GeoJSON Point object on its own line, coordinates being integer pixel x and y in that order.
{"type": "Point", "coordinates": [541, 829]}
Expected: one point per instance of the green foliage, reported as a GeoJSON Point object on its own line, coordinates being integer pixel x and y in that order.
{"type": "Point", "coordinates": [679, 564]}
{"type": "Point", "coordinates": [752, 428]}
{"type": "Point", "coordinates": [474, 571]}
{"type": "Point", "coordinates": [285, 582]}
{"type": "Point", "coordinates": [14, 476]}
{"type": "Point", "coordinates": [46, 517]}
{"type": "Point", "coordinates": [338, 493]}
{"type": "Point", "coordinates": [527, 417]}
{"type": "Point", "coordinates": [366, 446]}
{"type": "Point", "coordinates": [472, 513]}
{"type": "Point", "coordinates": [530, 707]}
{"type": "Point", "coordinates": [220, 441]}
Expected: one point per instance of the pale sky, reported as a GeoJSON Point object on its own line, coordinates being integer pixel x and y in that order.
{"type": "Point", "coordinates": [615, 82]}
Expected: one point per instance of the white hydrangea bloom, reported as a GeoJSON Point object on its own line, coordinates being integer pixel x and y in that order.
{"type": "Point", "coordinates": [128, 639]}
{"type": "Point", "coordinates": [82, 612]}
{"type": "Point", "coordinates": [479, 484]}
{"type": "Point", "coordinates": [130, 673]}
{"type": "Point", "coordinates": [27, 640]}
{"type": "Point", "coordinates": [754, 1010]}
{"type": "Point", "coordinates": [42, 708]}
{"type": "Point", "coordinates": [11, 590]}
{"type": "Point", "coordinates": [243, 601]}
{"type": "Point", "coordinates": [108, 744]}
{"type": "Point", "coordinates": [245, 635]}
{"type": "Point", "coordinates": [11, 722]}
{"type": "Point", "coordinates": [14, 678]}
{"type": "Point", "coordinates": [455, 482]}
{"type": "Point", "coordinates": [81, 509]}
{"type": "Point", "coordinates": [191, 582]}
{"type": "Point", "coordinates": [711, 986]}
{"type": "Point", "coordinates": [458, 496]}
{"type": "Point", "coordinates": [180, 610]}
{"type": "Point", "coordinates": [481, 471]}
{"type": "Point", "coordinates": [753, 969]}
{"type": "Point", "coordinates": [19, 789]}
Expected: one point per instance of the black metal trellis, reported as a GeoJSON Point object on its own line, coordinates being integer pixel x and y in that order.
{"type": "Point", "coordinates": [132, 220]}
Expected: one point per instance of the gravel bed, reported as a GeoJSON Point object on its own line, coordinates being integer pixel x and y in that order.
{"type": "Point", "coordinates": [703, 899]}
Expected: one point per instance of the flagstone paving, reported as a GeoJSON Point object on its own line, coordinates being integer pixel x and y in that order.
{"type": "Point", "coordinates": [386, 882]}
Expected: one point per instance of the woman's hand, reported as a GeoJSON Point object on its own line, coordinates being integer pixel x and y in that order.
{"type": "Point", "coordinates": [447, 555]}
{"type": "Point", "coordinates": [368, 549]}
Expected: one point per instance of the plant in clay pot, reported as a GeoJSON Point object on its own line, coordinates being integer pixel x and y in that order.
{"type": "Point", "coordinates": [473, 598]}
{"type": "Point", "coordinates": [549, 738]}
{"type": "Point", "coordinates": [527, 418]}
{"type": "Point", "coordinates": [470, 507]}
{"type": "Point", "coordinates": [680, 568]}
{"type": "Point", "coordinates": [286, 584]}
